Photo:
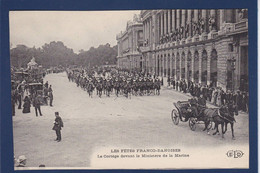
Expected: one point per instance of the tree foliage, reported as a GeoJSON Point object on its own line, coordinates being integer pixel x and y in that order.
{"type": "Point", "coordinates": [56, 53]}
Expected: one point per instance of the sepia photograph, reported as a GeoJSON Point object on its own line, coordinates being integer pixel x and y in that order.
{"type": "Point", "coordinates": [130, 89]}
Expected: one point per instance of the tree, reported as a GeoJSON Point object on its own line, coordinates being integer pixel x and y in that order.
{"type": "Point", "coordinates": [56, 53]}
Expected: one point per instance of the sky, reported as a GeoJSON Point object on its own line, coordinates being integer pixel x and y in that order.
{"type": "Point", "coordinates": [76, 29]}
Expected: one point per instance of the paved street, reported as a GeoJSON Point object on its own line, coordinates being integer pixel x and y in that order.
{"type": "Point", "coordinates": [92, 123]}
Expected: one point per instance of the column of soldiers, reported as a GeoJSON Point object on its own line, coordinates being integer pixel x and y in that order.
{"type": "Point", "coordinates": [215, 95]}
{"type": "Point", "coordinates": [121, 82]}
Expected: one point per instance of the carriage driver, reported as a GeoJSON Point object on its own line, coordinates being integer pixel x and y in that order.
{"type": "Point", "coordinates": [201, 104]}
{"type": "Point", "coordinates": [193, 102]}
{"type": "Point", "coordinates": [197, 105]}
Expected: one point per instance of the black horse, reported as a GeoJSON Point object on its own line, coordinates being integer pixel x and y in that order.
{"type": "Point", "coordinates": [90, 89]}
{"type": "Point", "coordinates": [221, 116]}
{"type": "Point", "coordinates": [99, 89]}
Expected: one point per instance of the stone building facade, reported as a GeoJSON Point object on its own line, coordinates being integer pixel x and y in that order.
{"type": "Point", "coordinates": [207, 46]}
{"type": "Point", "coordinates": [129, 42]}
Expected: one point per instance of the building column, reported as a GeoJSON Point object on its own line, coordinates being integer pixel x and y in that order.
{"type": "Point", "coordinates": [204, 17]}
{"type": "Point", "coordinates": [183, 22]}
{"type": "Point", "coordinates": [178, 19]}
{"type": "Point", "coordinates": [146, 33]}
{"type": "Point", "coordinates": [170, 64]}
{"type": "Point", "coordinates": [180, 65]}
{"type": "Point", "coordinates": [213, 16]}
{"type": "Point", "coordinates": [163, 58]}
{"type": "Point", "coordinates": [192, 65]}
{"type": "Point", "coordinates": [169, 21]}
{"type": "Point", "coordinates": [161, 65]}
{"type": "Point", "coordinates": [166, 65]}
{"type": "Point", "coordinates": [186, 65]}
{"type": "Point", "coordinates": [165, 22]}
{"type": "Point", "coordinates": [200, 63]}
{"type": "Point", "coordinates": [150, 31]}
{"type": "Point", "coordinates": [229, 15]}
{"type": "Point", "coordinates": [196, 20]}
{"type": "Point", "coordinates": [221, 18]}
{"type": "Point", "coordinates": [155, 21]}
{"type": "Point", "coordinates": [144, 30]}
{"type": "Point", "coordinates": [189, 22]}
{"type": "Point", "coordinates": [175, 65]}
{"type": "Point", "coordinates": [161, 24]}
{"type": "Point", "coordinates": [183, 14]}
{"type": "Point", "coordinates": [173, 20]}
{"type": "Point", "coordinates": [196, 16]}
{"type": "Point", "coordinates": [208, 65]}
{"type": "Point", "coordinates": [156, 64]}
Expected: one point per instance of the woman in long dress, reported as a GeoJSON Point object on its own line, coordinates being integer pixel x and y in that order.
{"type": "Point", "coordinates": [26, 105]}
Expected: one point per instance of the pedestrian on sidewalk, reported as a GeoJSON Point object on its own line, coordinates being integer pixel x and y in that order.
{"type": "Point", "coordinates": [13, 98]}
{"type": "Point", "coordinates": [58, 124]}
{"type": "Point", "coordinates": [37, 105]}
{"type": "Point", "coordinates": [45, 91]}
{"type": "Point", "coordinates": [19, 98]}
{"type": "Point", "coordinates": [169, 81]}
{"type": "Point", "coordinates": [26, 105]}
{"type": "Point", "coordinates": [50, 95]}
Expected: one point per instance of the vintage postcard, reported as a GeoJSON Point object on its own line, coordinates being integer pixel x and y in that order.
{"type": "Point", "coordinates": [142, 89]}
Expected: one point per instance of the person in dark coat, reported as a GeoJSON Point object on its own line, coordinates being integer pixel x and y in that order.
{"type": "Point", "coordinates": [46, 85]}
{"type": "Point", "coordinates": [58, 124]}
{"type": "Point", "coordinates": [50, 95]}
{"type": "Point", "coordinates": [19, 97]}
{"type": "Point", "coordinates": [180, 85]}
{"type": "Point", "coordinates": [223, 97]}
{"type": "Point", "coordinates": [184, 86]}
{"type": "Point", "coordinates": [201, 104]}
{"type": "Point", "coordinates": [191, 89]}
{"type": "Point", "coordinates": [239, 100]}
{"type": "Point", "coordinates": [244, 102]}
{"type": "Point", "coordinates": [13, 99]}
{"type": "Point", "coordinates": [45, 91]}
{"type": "Point", "coordinates": [210, 91]}
{"type": "Point", "coordinates": [37, 105]}
{"type": "Point", "coordinates": [204, 92]}
{"type": "Point", "coordinates": [26, 105]}
{"type": "Point", "coordinates": [198, 91]}
{"type": "Point", "coordinates": [234, 97]}
{"type": "Point", "coordinates": [173, 84]}
{"type": "Point", "coordinates": [194, 106]}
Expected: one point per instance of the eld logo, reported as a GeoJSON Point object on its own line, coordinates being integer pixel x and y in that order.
{"type": "Point", "coordinates": [235, 153]}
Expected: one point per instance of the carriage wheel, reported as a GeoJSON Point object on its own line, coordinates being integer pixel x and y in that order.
{"type": "Point", "coordinates": [192, 123]}
{"type": "Point", "coordinates": [175, 116]}
{"type": "Point", "coordinates": [209, 126]}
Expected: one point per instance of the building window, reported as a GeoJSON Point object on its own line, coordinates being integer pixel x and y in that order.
{"type": "Point", "coordinates": [230, 47]}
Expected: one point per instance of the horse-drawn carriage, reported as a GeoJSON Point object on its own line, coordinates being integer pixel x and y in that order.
{"type": "Point", "coordinates": [184, 112]}
{"type": "Point", "coordinates": [37, 89]}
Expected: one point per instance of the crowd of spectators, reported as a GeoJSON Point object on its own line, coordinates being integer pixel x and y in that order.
{"type": "Point", "coordinates": [215, 95]}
